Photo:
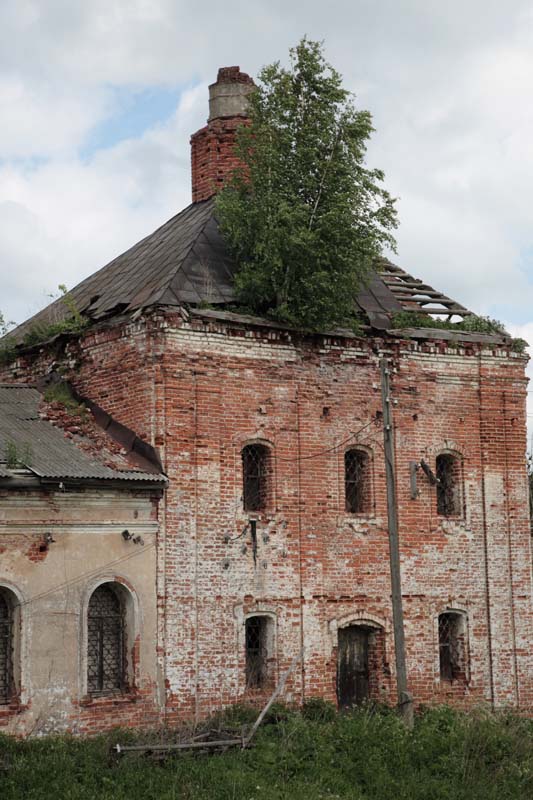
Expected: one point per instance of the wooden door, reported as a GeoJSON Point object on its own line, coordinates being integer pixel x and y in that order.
{"type": "Point", "coordinates": [352, 666]}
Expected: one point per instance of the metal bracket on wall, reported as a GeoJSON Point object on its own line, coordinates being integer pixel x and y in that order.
{"type": "Point", "coordinates": [414, 466]}
{"type": "Point", "coordinates": [253, 536]}
{"type": "Point", "coordinates": [413, 469]}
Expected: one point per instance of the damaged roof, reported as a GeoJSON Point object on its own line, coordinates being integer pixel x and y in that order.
{"type": "Point", "coordinates": [34, 444]}
{"type": "Point", "coordinates": [185, 261]}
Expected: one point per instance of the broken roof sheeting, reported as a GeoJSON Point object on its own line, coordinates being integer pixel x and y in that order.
{"type": "Point", "coordinates": [186, 261]}
{"type": "Point", "coordinates": [43, 448]}
{"type": "Point", "coordinates": [183, 261]}
{"type": "Point", "coordinates": [414, 295]}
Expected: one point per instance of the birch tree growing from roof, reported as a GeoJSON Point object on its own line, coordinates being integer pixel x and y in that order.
{"type": "Point", "coordinates": [304, 216]}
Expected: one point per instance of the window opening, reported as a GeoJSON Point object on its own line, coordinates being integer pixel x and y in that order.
{"type": "Point", "coordinates": [451, 647]}
{"type": "Point", "coordinates": [6, 649]}
{"type": "Point", "coordinates": [448, 485]}
{"type": "Point", "coordinates": [105, 642]}
{"type": "Point", "coordinates": [256, 652]}
{"type": "Point", "coordinates": [254, 471]}
{"type": "Point", "coordinates": [357, 481]}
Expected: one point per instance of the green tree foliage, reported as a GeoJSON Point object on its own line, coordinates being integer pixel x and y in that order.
{"type": "Point", "coordinates": [304, 217]}
{"type": "Point", "coordinates": [4, 326]}
{"type": "Point", "coordinates": [74, 323]}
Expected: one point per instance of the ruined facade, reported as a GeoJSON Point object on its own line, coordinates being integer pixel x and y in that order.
{"type": "Point", "coordinates": [78, 559]}
{"type": "Point", "coordinates": [272, 532]}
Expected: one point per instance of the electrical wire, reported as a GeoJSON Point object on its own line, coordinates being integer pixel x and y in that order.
{"type": "Point", "coordinates": [85, 575]}
{"type": "Point", "coordinates": [319, 453]}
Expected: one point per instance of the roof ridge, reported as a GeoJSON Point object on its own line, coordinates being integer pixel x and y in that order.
{"type": "Point", "coordinates": [188, 251]}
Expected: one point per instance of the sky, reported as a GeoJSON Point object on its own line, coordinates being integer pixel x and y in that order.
{"type": "Point", "coordinates": [98, 100]}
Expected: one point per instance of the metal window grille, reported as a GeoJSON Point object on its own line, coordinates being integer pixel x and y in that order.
{"type": "Point", "coordinates": [450, 647]}
{"type": "Point", "coordinates": [256, 652]}
{"type": "Point", "coordinates": [6, 649]}
{"type": "Point", "coordinates": [448, 485]}
{"type": "Point", "coordinates": [356, 481]}
{"type": "Point", "coordinates": [254, 473]}
{"type": "Point", "coordinates": [105, 642]}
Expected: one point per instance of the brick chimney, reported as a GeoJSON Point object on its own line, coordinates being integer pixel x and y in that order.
{"type": "Point", "coordinates": [212, 147]}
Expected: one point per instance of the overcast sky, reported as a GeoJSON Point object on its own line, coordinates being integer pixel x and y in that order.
{"type": "Point", "coordinates": [98, 98]}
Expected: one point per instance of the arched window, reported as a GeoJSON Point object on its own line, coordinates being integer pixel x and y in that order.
{"type": "Point", "coordinates": [259, 643]}
{"type": "Point", "coordinates": [7, 688]}
{"type": "Point", "coordinates": [357, 483]}
{"type": "Point", "coordinates": [452, 646]}
{"type": "Point", "coordinates": [449, 485]}
{"type": "Point", "coordinates": [106, 663]}
{"type": "Point", "coordinates": [255, 477]}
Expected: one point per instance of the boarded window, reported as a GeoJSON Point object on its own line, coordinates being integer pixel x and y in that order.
{"type": "Point", "coordinates": [257, 645]}
{"type": "Point", "coordinates": [357, 481]}
{"type": "Point", "coordinates": [452, 646]}
{"type": "Point", "coordinates": [105, 642]}
{"type": "Point", "coordinates": [255, 458]}
{"type": "Point", "coordinates": [6, 648]}
{"type": "Point", "coordinates": [449, 485]}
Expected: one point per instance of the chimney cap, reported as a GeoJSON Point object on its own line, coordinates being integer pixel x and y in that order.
{"type": "Point", "coordinates": [232, 75]}
{"type": "Point", "coordinates": [228, 97]}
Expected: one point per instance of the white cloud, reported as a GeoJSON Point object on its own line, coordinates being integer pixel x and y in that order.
{"type": "Point", "coordinates": [64, 219]}
{"type": "Point", "coordinates": [449, 85]}
{"type": "Point", "coordinates": [43, 119]}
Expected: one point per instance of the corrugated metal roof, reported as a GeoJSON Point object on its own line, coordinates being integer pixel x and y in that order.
{"type": "Point", "coordinates": [186, 261]}
{"type": "Point", "coordinates": [43, 449]}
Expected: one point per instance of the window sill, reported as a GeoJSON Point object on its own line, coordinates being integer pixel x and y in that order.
{"type": "Point", "coordinates": [447, 685]}
{"type": "Point", "coordinates": [264, 515]}
{"type": "Point", "coordinates": [358, 523]}
{"type": "Point", "coordinates": [111, 699]}
{"type": "Point", "coordinates": [360, 515]}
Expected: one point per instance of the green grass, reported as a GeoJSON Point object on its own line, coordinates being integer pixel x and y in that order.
{"type": "Point", "coordinates": [449, 756]}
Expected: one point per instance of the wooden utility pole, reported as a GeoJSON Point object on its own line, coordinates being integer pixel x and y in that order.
{"type": "Point", "coordinates": [405, 701]}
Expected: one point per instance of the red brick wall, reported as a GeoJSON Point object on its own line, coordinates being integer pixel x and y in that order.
{"type": "Point", "coordinates": [206, 388]}
{"type": "Point", "coordinates": [321, 565]}
{"type": "Point", "coordinates": [213, 156]}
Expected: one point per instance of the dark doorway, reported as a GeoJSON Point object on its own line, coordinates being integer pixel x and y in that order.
{"type": "Point", "coordinates": [352, 666]}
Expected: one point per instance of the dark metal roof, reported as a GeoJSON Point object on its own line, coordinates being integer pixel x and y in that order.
{"type": "Point", "coordinates": [183, 261]}
{"type": "Point", "coordinates": [43, 449]}
{"type": "Point", "coordinates": [186, 261]}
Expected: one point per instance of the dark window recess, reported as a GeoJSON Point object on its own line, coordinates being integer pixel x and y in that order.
{"type": "Point", "coordinates": [256, 652]}
{"type": "Point", "coordinates": [6, 649]}
{"type": "Point", "coordinates": [449, 485]}
{"type": "Point", "coordinates": [451, 647]}
{"type": "Point", "coordinates": [254, 476]}
{"type": "Point", "coordinates": [357, 481]}
{"type": "Point", "coordinates": [105, 642]}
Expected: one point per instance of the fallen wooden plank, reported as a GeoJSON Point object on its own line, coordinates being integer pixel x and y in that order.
{"type": "Point", "coordinates": [194, 744]}
{"type": "Point", "coordinates": [160, 748]}
{"type": "Point", "coordinates": [275, 694]}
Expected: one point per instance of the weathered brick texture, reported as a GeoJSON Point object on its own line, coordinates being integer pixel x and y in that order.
{"type": "Point", "coordinates": [213, 157]}
{"type": "Point", "coordinates": [200, 390]}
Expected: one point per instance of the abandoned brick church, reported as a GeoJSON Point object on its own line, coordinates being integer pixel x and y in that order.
{"type": "Point", "coordinates": [217, 501]}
